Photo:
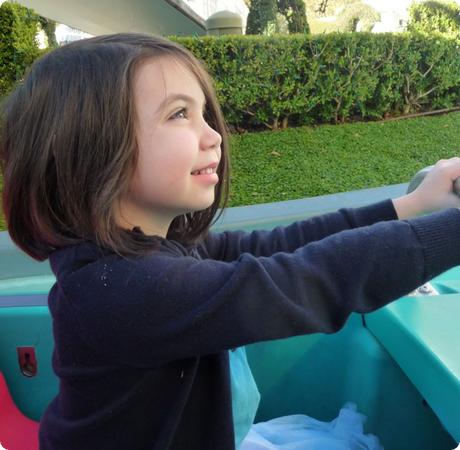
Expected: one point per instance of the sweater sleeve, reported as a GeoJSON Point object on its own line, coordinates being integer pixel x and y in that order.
{"type": "Point", "coordinates": [229, 245]}
{"type": "Point", "coordinates": [163, 307]}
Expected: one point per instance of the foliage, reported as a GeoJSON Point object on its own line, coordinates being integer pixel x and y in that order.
{"type": "Point", "coordinates": [358, 15]}
{"type": "Point", "coordinates": [49, 27]}
{"type": "Point", "coordinates": [435, 17]}
{"type": "Point", "coordinates": [18, 45]}
{"type": "Point", "coordinates": [275, 81]}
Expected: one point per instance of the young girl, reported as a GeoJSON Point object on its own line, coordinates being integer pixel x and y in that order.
{"type": "Point", "coordinates": [115, 160]}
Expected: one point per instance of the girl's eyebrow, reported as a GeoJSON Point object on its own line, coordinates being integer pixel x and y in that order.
{"type": "Point", "coordinates": [174, 97]}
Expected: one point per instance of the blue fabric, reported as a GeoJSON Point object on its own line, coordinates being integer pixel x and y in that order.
{"type": "Point", "coordinates": [245, 395]}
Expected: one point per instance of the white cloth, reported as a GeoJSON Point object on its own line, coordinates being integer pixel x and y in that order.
{"type": "Point", "coordinates": [300, 432]}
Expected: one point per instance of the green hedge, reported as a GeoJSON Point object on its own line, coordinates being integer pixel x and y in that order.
{"type": "Point", "coordinates": [297, 79]}
{"type": "Point", "coordinates": [18, 45]}
{"type": "Point", "coordinates": [272, 82]}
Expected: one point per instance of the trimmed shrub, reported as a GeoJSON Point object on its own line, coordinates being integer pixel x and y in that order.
{"type": "Point", "coordinates": [358, 14]}
{"type": "Point", "coordinates": [435, 17]}
{"type": "Point", "coordinates": [342, 15]}
{"type": "Point", "coordinates": [270, 82]}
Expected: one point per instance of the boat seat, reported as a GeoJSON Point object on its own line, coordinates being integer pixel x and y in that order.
{"type": "Point", "coordinates": [420, 335]}
{"type": "Point", "coordinates": [17, 432]}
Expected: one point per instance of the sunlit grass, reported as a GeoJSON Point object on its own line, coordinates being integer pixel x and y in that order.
{"type": "Point", "coordinates": [311, 161]}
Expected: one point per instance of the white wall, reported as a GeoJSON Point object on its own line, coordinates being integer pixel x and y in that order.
{"type": "Point", "coordinates": [66, 34]}
{"type": "Point", "coordinates": [206, 8]}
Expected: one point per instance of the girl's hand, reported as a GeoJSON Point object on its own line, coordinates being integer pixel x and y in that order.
{"type": "Point", "coordinates": [434, 193]}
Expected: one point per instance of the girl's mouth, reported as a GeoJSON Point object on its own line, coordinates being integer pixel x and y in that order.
{"type": "Point", "coordinates": [206, 171]}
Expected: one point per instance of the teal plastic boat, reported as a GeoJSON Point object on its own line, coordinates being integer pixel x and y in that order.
{"type": "Point", "coordinates": [400, 365]}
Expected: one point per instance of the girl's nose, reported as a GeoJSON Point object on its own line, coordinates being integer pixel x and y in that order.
{"type": "Point", "coordinates": [211, 138]}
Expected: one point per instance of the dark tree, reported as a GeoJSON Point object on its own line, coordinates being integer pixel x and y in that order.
{"type": "Point", "coordinates": [261, 13]}
{"type": "Point", "coordinates": [296, 16]}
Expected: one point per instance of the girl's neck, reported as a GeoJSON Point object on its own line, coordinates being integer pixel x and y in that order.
{"type": "Point", "coordinates": [130, 217]}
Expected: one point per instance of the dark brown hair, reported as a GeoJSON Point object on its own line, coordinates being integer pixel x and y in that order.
{"type": "Point", "coordinates": [68, 147]}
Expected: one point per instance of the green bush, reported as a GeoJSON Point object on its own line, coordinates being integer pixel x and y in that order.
{"type": "Point", "coordinates": [18, 45]}
{"type": "Point", "coordinates": [435, 17]}
{"type": "Point", "coordinates": [279, 80]}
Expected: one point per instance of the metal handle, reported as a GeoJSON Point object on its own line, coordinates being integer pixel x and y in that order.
{"type": "Point", "coordinates": [419, 177]}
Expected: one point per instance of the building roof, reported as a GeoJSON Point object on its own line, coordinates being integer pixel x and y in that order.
{"type": "Point", "coordinates": [161, 17]}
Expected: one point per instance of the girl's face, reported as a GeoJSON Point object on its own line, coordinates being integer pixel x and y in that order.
{"type": "Point", "coordinates": [174, 142]}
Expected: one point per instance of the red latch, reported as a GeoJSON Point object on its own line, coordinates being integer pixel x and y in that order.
{"type": "Point", "coordinates": [27, 361]}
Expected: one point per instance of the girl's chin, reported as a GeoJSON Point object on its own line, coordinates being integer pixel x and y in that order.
{"type": "Point", "coordinates": [203, 206]}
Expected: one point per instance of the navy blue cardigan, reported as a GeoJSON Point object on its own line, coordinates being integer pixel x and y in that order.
{"type": "Point", "coordinates": [141, 344]}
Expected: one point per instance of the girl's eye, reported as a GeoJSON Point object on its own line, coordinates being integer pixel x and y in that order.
{"type": "Point", "coordinates": [181, 114]}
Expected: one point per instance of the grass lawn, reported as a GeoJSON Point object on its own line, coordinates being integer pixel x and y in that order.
{"type": "Point", "coordinates": [309, 161]}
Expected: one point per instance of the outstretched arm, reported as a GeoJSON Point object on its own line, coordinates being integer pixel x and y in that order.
{"type": "Point", "coordinates": [165, 307]}
{"type": "Point", "coordinates": [229, 245]}
{"type": "Point", "coordinates": [433, 194]}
